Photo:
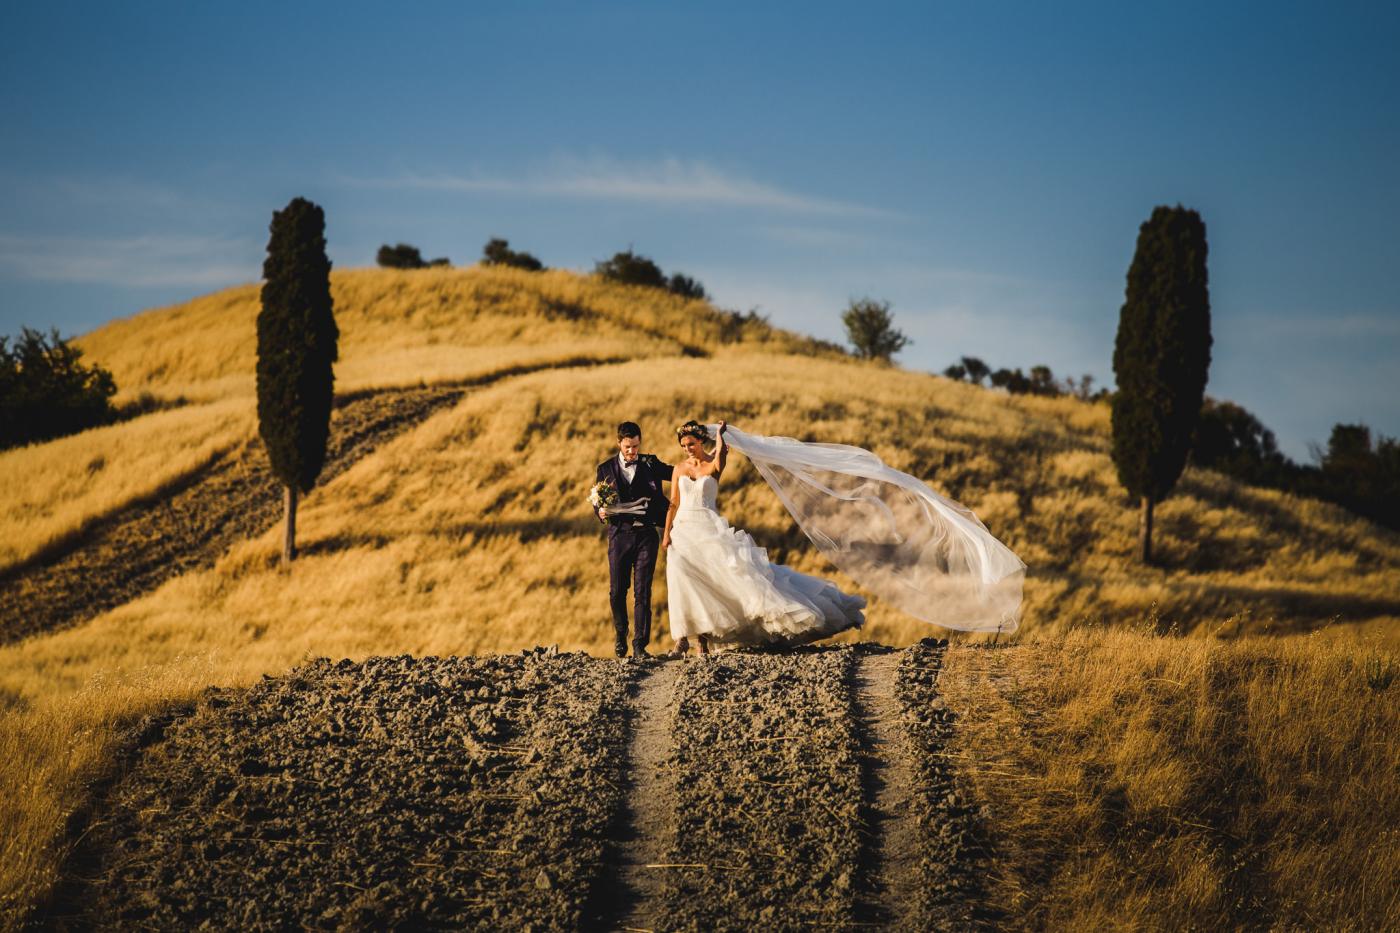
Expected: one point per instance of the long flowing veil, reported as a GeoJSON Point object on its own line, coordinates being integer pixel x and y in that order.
{"type": "Point", "coordinates": [903, 542]}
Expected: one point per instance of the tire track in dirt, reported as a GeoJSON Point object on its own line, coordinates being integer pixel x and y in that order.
{"type": "Point", "coordinates": [889, 864]}
{"type": "Point", "coordinates": [630, 897]}
{"type": "Point", "coordinates": [952, 852]}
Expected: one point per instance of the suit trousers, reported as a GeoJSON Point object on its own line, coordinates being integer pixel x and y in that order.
{"type": "Point", "coordinates": [632, 559]}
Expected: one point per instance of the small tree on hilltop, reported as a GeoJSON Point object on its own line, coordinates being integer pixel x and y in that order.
{"type": "Point", "coordinates": [631, 269]}
{"type": "Point", "coordinates": [497, 252]}
{"type": "Point", "coordinates": [870, 329]}
{"type": "Point", "coordinates": [1012, 380]}
{"type": "Point", "coordinates": [297, 338]}
{"type": "Point", "coordinates": [686, 287]}
{"type": "Point", "coordinates": [401, 256]}
{"type": "Point", "coordinates": [1043, 381]}
{"type": "Point", "coordinates": [975, 369]}
{"type": "Point", "coordinates": [1161, 358]}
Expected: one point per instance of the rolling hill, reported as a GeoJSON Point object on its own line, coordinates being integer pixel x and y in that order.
{"type": "Point", "coordinates": [464, 530]}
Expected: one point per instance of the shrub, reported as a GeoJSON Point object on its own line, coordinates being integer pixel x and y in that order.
{"type": "Point", "coordinates": [1012, 380]}
{"type": "Point", "coordinates": [686, 287]}
{"type": "Point", "coordinates": [497, 252]}
{"type": "Point", "coordinates": [631, 269]}
{"type": "Point", "coordinates": [402, 256]}
{"type": "Point", "coordinates": [46, 392]}
{"type": "Point", "coordinates": [634, 269]}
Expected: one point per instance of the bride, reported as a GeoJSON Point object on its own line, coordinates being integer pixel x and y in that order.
{"type": "Point", "coordinates": [720, 585]}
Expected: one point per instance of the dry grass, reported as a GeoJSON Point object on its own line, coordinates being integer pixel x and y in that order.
{"type": "Point", "coordinates": [1136, 781]}
{"type": "Point", "coordinates": [436, 325]}
{"type": "Point", "coordinates": [398, 329]}
{"type": "Point", "coordinates": [53, 752]}
{"type": "Point", "coordinates": [470, 534]}
{"type": "Point", "coordinates": [54, 490]}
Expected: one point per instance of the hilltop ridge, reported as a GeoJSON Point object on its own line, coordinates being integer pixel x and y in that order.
{"type": "Point", "coordinates": [401, 327]}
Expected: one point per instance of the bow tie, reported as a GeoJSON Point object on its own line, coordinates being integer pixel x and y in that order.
{"type": "Point", "coordinates": [632, 463]}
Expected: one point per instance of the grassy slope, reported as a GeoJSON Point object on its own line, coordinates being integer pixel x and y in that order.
{"type": "Point", "coordinates": [469, 534]}
{"type": "Point", "coordinates": [1140, 782]}
{"type": "Point", "coordinates": [397, 329]}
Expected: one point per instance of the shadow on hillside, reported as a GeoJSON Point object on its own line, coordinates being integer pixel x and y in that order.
{"type": "Point", "coordinates": [779, 539]}
{"type": "Point", "coordinates": [1194, 605]}
{"type": "Point", "coordinates": [1352, 534]}
{"type": "Point", "coordinates": [1305, 610]}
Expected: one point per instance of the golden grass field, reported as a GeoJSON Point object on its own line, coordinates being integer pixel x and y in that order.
{"type": "Point", "coordinates": [470, 534]}
{"type": "Point", "coordinates": [1142, 782]}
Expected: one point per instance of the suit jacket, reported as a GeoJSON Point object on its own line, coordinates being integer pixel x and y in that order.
{"type": "Point", "coordinates": [646, 481]}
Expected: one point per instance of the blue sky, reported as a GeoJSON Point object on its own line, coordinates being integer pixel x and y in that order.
{"type": "Point", "coordinates": [984, 167]}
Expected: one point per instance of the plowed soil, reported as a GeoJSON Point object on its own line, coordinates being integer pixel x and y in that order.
{"type": "Point", "coordinates": [542, 791]}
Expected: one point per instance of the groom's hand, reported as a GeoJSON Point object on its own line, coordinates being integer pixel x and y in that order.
{"type": "Point", "coordinates": [603, 514]}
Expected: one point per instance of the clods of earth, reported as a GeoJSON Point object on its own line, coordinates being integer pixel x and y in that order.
{"type": "Point", "coordinates": [500, 792]}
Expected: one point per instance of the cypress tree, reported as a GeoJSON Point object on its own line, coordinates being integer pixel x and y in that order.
{"type": "Point", "coordinates": [1160, 359]}
{"type": "Point", "coordinates": [296, 348]}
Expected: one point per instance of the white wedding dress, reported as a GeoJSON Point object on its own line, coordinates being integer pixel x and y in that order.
{"type": "Point", "coordinates": [719, 583]}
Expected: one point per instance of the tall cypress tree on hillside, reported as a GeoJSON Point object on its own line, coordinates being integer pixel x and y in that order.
{"type": "Point", "coordinates": [1161, 358]}
{"type": "Point", "coordinates": [296, 347]}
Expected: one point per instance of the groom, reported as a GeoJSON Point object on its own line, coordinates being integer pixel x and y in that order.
{"type": "Point", "coordinates": [632, 539]}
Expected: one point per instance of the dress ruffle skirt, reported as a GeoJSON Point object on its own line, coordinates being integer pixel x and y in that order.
{"type": "Point", "coordinates": [721, 584]}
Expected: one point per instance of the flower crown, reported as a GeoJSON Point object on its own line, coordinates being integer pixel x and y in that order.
{"type": "Point", "coordinates": [694, 429]}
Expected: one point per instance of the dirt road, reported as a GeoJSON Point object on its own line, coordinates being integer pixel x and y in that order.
{"type": "Point", "coordinates": [774, 791]}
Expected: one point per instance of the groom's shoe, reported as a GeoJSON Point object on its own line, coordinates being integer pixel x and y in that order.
{"type": "Point", "coordinates": [621, 649]}
{"type": "Point", "coordinates": [641, 653]}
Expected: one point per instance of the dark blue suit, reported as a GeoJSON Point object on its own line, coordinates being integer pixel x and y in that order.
{"type": "Point", "coordinates": [633, 543]}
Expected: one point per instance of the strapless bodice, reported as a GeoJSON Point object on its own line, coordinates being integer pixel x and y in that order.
{"type": "Point", "coordinates": [698, 493]}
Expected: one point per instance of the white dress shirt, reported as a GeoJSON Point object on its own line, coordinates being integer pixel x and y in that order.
{"type": "Point", "coordinates": [629, 470]}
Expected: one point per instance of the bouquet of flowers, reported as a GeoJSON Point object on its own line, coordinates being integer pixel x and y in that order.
{"type": "Point", "coordinates": [604, 496]}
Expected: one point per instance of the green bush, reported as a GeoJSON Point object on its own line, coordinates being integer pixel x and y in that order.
{"type": "Point", "coordinates": [630, 268]}
{"type": "Point", "coordinates": [686, 287]}
{"type": "Point", "coordinates": [46, 392]}
{"type": "Point", "coordinates": [401, 256]}
{"type": "Point", "coordinates": [497, 252]}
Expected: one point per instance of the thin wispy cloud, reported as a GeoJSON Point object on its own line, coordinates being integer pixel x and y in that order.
{"type": "Point", "coordinates": [810, 237]}
{"type": "Point", "coordinates": [1322, 326]}
{"type": "Point", "coordinates": [134, 261]}
{"type": "Point", "coordinates": [673, 182]}
{"type": "Point", "coordinates": [101, 192]}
